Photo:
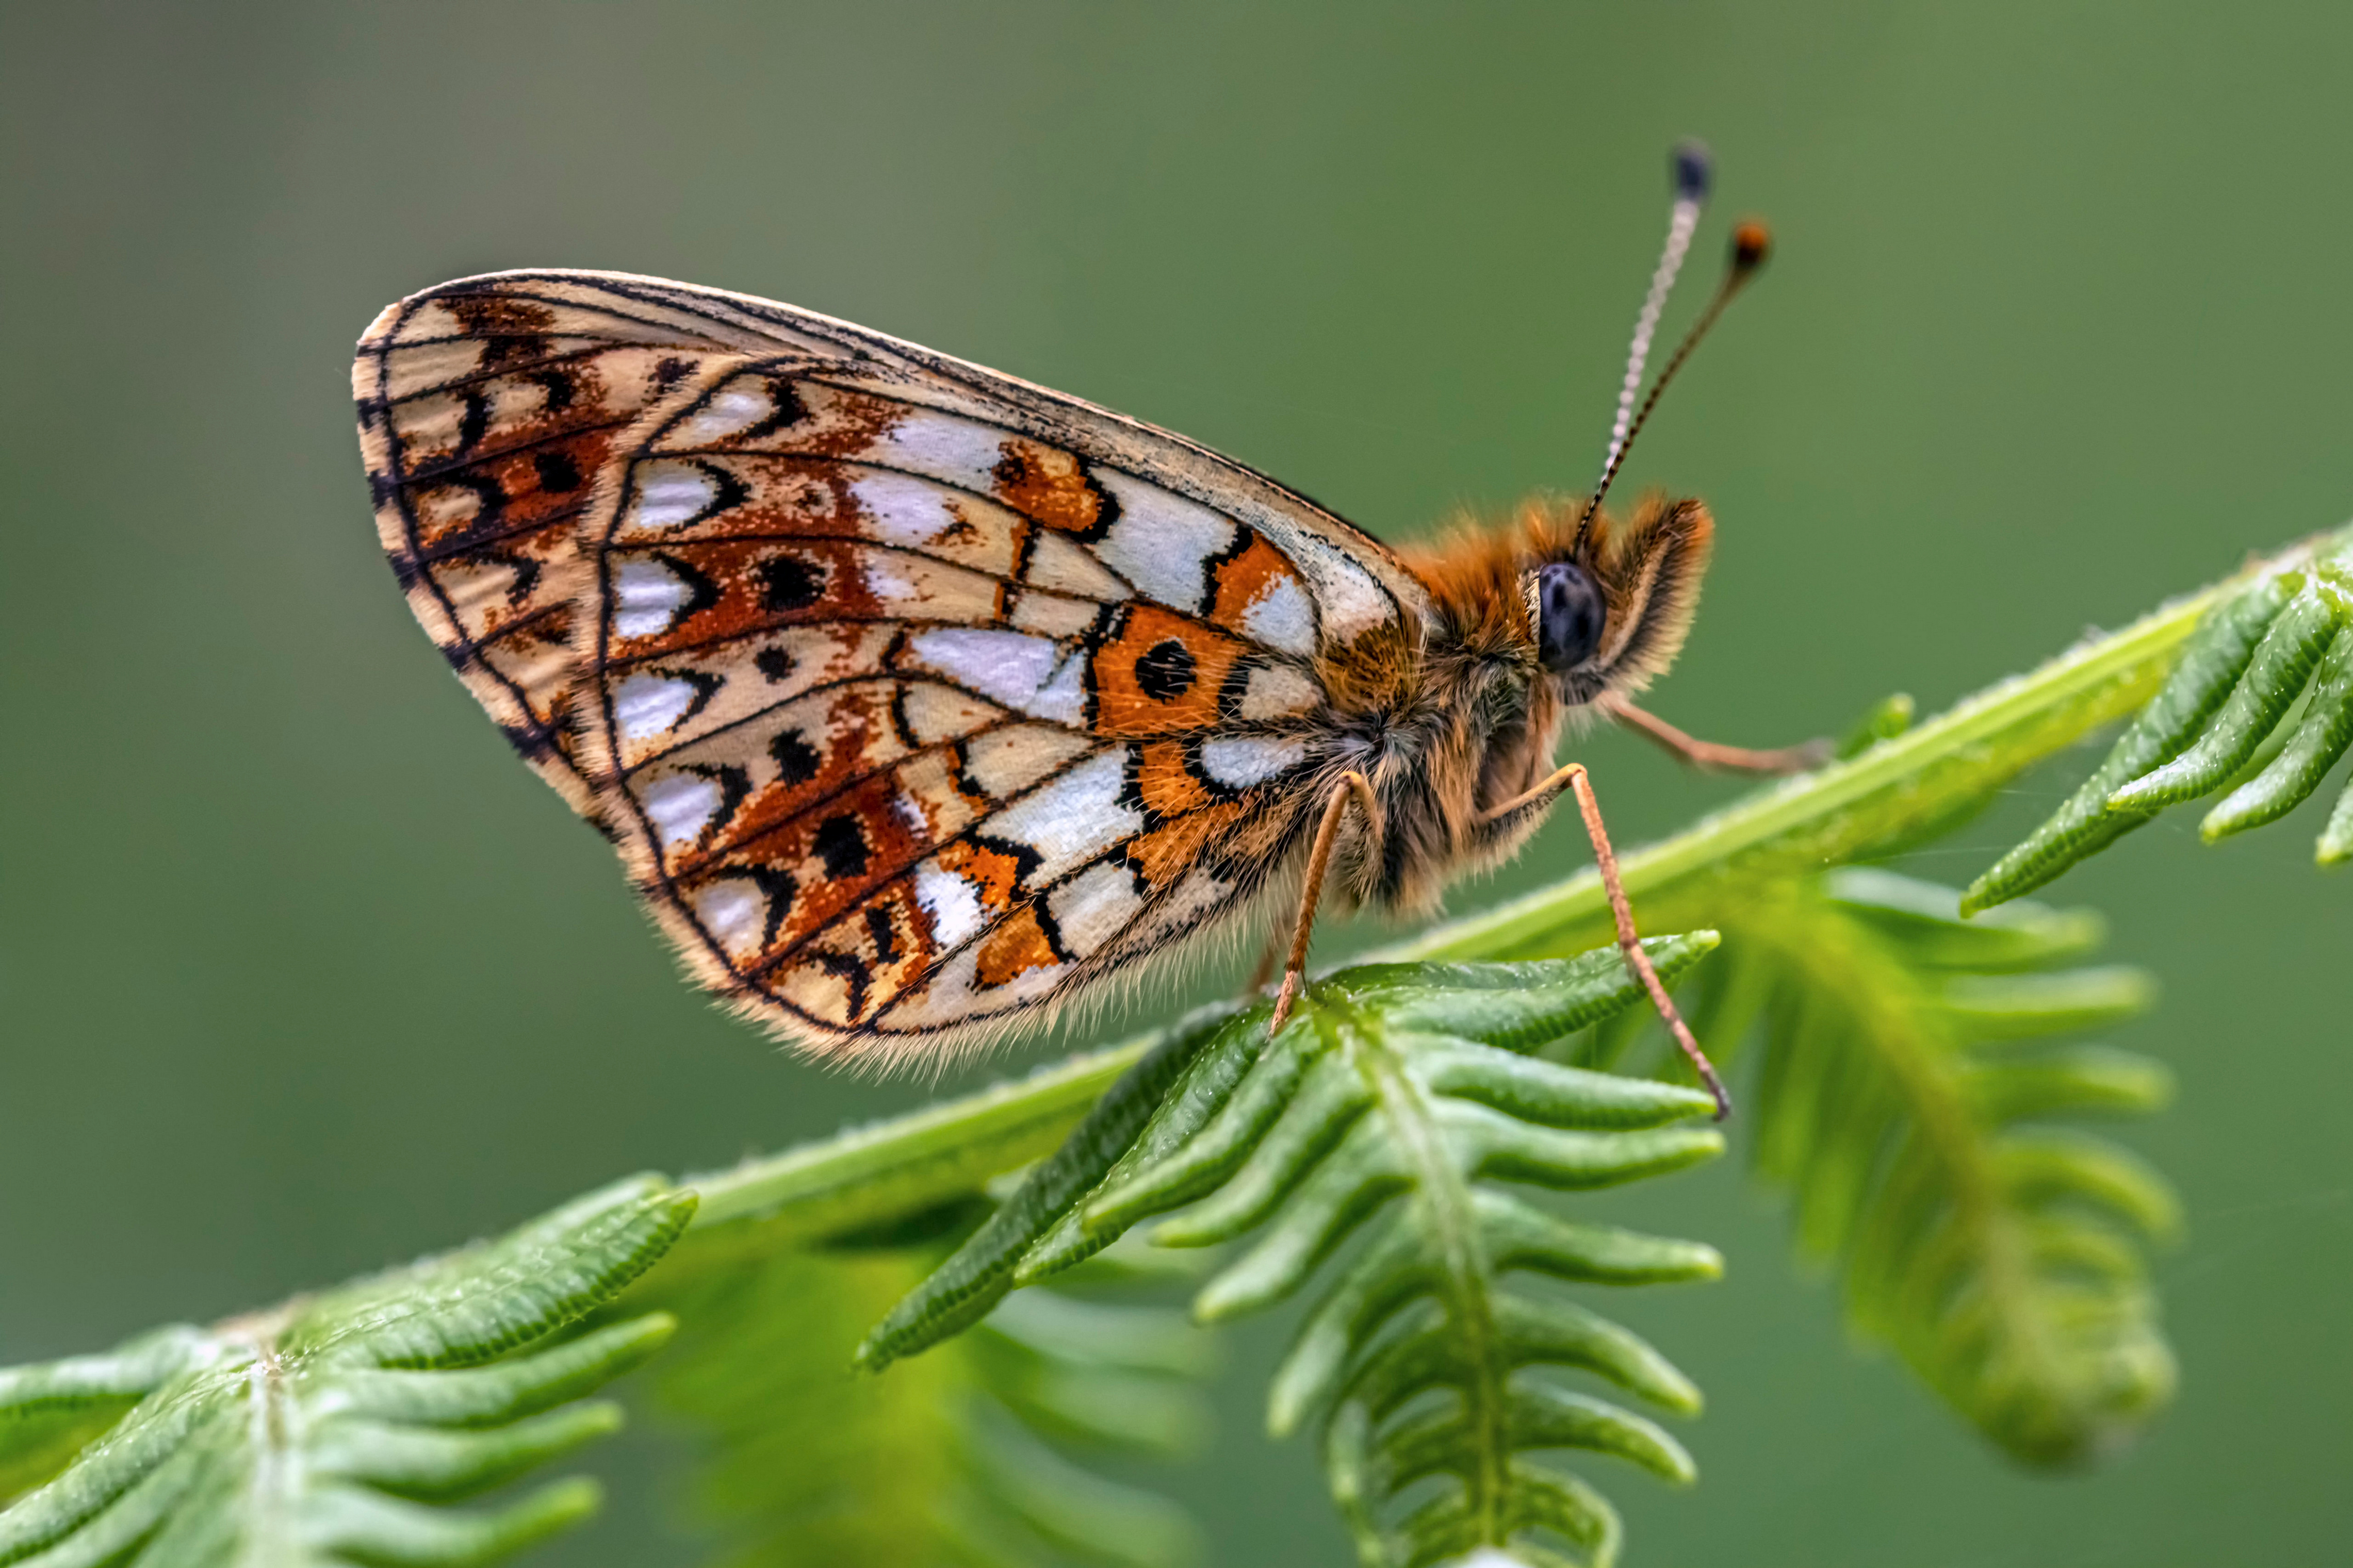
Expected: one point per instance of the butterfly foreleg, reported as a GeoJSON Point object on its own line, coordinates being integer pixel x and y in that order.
{"type": "Point", "coordinates": [1574, 779]}
{"type": "Point", "coordinates": [1352, 785]}
{"type": "Point", "coordinates": [1708, 755]}
{"type": "Point", "coordinates": [1264, 970]}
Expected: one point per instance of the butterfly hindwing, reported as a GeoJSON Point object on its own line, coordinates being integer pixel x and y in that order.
{"type": "Point", "coordinates": [918, 698]}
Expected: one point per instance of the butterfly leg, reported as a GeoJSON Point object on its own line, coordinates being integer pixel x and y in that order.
{"type": "Point", "coordinates": [1264, 970]}
{"type": "Point", "coordinates": [1352, 786]}
{"type": "Point", "coordinates": [1629, 942]}
{"type": "Point", "coordinates": [1702, 753]}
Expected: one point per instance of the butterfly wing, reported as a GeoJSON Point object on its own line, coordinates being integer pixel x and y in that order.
{"type": "Point", "coordinates": [918, 697]}
{"type": "Point", "coordinates": [486, 413]}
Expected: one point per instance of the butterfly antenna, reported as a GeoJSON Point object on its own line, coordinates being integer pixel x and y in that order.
{"type": "Point", "coordinates": [1750, 242]}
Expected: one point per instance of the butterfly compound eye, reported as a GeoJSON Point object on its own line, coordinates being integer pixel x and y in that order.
{"type": "Point", "coordinates": [1569, 615]}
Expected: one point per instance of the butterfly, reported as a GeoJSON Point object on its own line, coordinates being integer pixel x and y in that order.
{"type": "Point", "coordinates": [922, 701]}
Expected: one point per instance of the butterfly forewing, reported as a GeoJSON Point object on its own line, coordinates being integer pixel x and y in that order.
{"type": "Point", "coordinates": [877, 685]}
{"type": "Point", "coordinates": [917, 696]}
{"type": "Point", "coordinates": [485, 419]}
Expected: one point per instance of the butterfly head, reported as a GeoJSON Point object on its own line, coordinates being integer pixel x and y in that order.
{"type": "Point", "coordinates": [1536, 604]}
{"type": "Point", "coordinates": [1607, 612]}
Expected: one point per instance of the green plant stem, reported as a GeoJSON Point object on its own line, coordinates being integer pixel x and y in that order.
{"type": "Point", "coordinates": [872, 1175]}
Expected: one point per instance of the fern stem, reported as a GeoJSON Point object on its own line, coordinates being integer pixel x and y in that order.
{"type": "Point", "coordinates": [1468, 1294]}
{"type": "Point", "coordinates": [891, 1168]}
{"type": "Point", "coordinates": [881, 1172]}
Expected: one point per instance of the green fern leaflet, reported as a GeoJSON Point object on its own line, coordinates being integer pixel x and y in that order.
{"type": "Point", "coordinates": [337, 1430]}
{"type": "Point", "coordinates": [2262, 698]}
{"type": "Point", "coordinates": [1919, 1077]}
{"type": "Point", "coordinates": [973, 1458]}
{"type": "Point", "coordinates": [1394, 1106]}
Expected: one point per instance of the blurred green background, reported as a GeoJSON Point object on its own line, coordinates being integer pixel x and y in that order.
{"type": "Point", "coordinates": [302, 974]}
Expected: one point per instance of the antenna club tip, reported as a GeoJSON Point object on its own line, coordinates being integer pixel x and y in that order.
{"type": "Point", "coordinates": [1693, 169]}
{"type": "Point", "coordinates": [1752, 242]}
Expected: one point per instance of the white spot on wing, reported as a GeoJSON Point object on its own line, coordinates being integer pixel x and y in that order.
{"type": "Point", "coordinates": [1032, 674]}
{"type": "Point", "coordinates": [951, 902]}
{"type": "Point", "coordinates": [1062, 563]}
{"type": "Point", "coordinates": [904, 509]}
{"type": "Point", "coordinates": [1238, 761]}
{"type": "Point", "coordinates": [1279, 691]}
{"type": "Point", "coordinates": [886, 581]}
{"type": "Point", "coordinates": [1093, 907]}
{"type": "Point", "coordinates": [735, 913]}
{"type": "Point", "coordinates": [681, 805]}
{"type": "Point", "coordinates": [1162, 542]}
{"type": "Point", "coordinates": [1282, 619]}
{"type": "Point", "coordinates": [1196, 896]}
{"type": "Point", "coordinates": [648, 596]}
{"type": "Point", "coordinates": [670, 494]}
{"type": "Point", "coordinates": [649, 704]}
{"type": "Point", "coordinates": [954, 449]}
{"type": "Point", "coordinates": [1072, 819]}
{"type": "Point", "coordinates": [1353, 602]}
{"type": "Point", "coordinates": [1064, 698]}
{"type": "Point", "coordinates": [738, 406]}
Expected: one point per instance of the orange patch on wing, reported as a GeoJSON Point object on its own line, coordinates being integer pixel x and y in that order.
{"type": "Point", "coordinates": [888, 935]}
{"type": "Point", "coordinates": [1014, 949]}
{"type": "Point", "coordinates": [1168, 786]}
{"type": "Point", "coordinates": [1249, 577]}
{"type": "Point", "coordinates": [1165, 853]}
{"type": "Point", "coordinates": [1161, 674]}
{"type": "Point", "coordinates": [992, 871]}
{"type": "Point", "coordinates": [1049, 485]}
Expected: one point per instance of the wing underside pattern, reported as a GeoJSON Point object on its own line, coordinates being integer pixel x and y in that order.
{"type": "Point", "coordinates": [917, 698]}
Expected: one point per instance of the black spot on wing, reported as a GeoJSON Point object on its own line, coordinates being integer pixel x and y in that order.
{"type": "Point", "coordinates": [796, 761]}
{"type": "Point", "coordinates": [788, 582]}
{"type": "Point", "coordinates": [853, 975]}
{"type": "Point", "coordinates": [879, 930]}
{"type": "Point", "coordinates": [840, 843]}
{"type": "Point", "coordinates": [1165, 672]}
{"type": "Point", "coordinates": [780, 888]}
{"type": "Point", "coordinates": [558, 473]}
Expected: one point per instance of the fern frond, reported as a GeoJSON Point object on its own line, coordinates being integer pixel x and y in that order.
{"type": "Point", "coordinates": [336, 1429]}
{"type": "Point", "coordinates": [2262, 697]}
{"type": "Point", "coordinates": [964, 1457]}
{"type": "Point", "coordinates": [1913, 1100]}
{"type": "Point", "coordinates": [1393, 1103]}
